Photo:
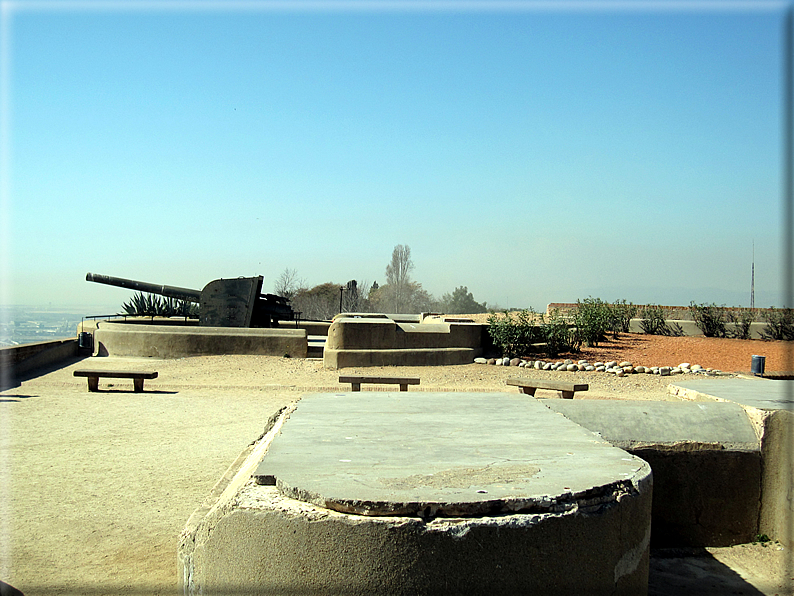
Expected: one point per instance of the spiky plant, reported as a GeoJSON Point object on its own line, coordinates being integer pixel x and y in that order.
{"type": "Point", "coordinates": [151, 305]}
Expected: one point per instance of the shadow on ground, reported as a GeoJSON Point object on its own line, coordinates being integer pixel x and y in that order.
{"type": "Point", "coordinates": [691, 572]}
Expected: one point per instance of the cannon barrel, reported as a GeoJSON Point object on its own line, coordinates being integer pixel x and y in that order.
{"type": "Point", "coordinates": [142, 286]}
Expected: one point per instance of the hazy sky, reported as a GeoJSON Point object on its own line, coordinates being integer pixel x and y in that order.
{"type": "Point", "coordinates": [533, 154]}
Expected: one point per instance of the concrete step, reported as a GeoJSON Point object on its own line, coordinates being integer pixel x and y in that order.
{"type": "Point", "coordinates": [316, 346]}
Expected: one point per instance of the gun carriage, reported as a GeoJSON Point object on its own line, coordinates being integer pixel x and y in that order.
{"type": "Point", "coordinates": [222, 303]}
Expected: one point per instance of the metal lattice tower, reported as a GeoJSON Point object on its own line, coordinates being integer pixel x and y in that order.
{"type": "Point", "coordinates": [752, 280]}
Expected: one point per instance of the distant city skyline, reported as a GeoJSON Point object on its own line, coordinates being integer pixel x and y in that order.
{"type": "Point", "coordinates": [533, 152]}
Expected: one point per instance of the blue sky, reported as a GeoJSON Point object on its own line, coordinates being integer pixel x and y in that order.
{"type": "Point", "coordinates": [534, 155]}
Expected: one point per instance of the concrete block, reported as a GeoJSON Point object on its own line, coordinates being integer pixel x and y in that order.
{"type": "Point", "coordinates": [444, 493]}
{"type": "Point", "coordinates": [380, 341]}
{"type": "Point", "coordinates": [706, 462]}
{"type": "Point", "coordinates": [769, 404]}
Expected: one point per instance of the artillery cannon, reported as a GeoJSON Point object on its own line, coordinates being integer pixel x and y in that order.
{"type": "Point", "coordinates": [222, 303]}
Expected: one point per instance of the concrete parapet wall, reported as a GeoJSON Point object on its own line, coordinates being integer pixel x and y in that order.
{"type": "Point", "coordinates": [17, 360]}
{"type": "Point", "coordinates": [160, 341]}
{"type": "Point", "coordinates": [384, 342]}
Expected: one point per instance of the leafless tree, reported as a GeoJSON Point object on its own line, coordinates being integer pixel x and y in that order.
{"type": "Point", "coordinates": [288, 284]}
{"type": "Point", "coordinates": [398, 277]}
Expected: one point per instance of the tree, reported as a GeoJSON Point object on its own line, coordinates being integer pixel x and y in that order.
{"type": "Point", "coordinates": [461, 302]}
{"type": "Point", "coordinates": [415, 299]}
{"type": "Point", "coordinates": [319, 303]}
{"type": "Point", "coordinates": [288, 284]}
{"type": "Point", "coordinates": [398, 277]}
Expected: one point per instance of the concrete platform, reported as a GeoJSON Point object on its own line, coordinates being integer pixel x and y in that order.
{"type": "Point", "coordinates": [636, 423]}
{"type": "Point", "coordinates": [399, 341]}
{"type": "Point", "coordinates": [763, 394]}
{"type": "Point", "coordinates": [770, 405]}
{"type": "Point", "coordinates": [400, 493]}
{"type": "Point", "coordinates": [706, 462]}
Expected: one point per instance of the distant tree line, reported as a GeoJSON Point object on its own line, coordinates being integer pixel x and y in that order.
{"type": "Point", "coordinates": [400, 293]}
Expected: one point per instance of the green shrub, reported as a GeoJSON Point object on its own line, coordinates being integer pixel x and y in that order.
{"type": "Point", "coordinates": [621, 314]}
{"type": "Point", "coordinates": [780, 324]}
{"type": "Point", "coordinates": [592, 319]}
{"type": "Point", "coordinates": [741, 323]}
{"type": "Point", "coordinates": [654, 323]}
{"type": "Point", "coordinates": [515, 335]}
{"type": "Point", "coordinates": [558, 335]}
{"type": "Point", "coordinates": [710, 318]}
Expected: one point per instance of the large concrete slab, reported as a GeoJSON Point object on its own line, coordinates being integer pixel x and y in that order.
{"type": "Point", "coordinates": [396, 453]}
{"type": "Point", "coordinates": [630, 423]}
{"type": "Point", "coordinates": [706, 463]}
{"type": "Point", "coordinates": [764, 394]}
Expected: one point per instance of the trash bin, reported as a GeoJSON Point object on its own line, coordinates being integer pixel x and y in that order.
{"type": "Point", "coordinates": [757, 365]}
{"type": "Point", "coordinates": [85, 341]}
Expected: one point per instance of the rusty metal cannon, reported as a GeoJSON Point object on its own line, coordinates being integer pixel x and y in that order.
{"type": "Point", "coordinates": [222, 303]}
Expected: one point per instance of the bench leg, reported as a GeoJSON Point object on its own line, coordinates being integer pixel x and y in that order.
{"type": "Point", "coordinates": [138, 384]}
{"type": "Point", "coordinates": [528, 390]}
{"type": "Point", "coordinates": [403, 387]}
{"type": "Point", "coordinates": [566, 394]}
{"type": "Point", "coordinates": [356, 386]}
{"type": "Point", "coordinates": [93, 383]}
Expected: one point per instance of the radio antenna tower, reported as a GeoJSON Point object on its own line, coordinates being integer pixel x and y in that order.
{"type": "Point", "coordinates": [752, 280]}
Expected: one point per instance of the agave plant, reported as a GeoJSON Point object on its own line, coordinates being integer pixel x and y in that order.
{"type": "Point", "coordinates": [151, 305]}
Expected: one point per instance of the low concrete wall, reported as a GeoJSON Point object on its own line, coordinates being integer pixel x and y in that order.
{"type": "Point", "coordinates": [777, 504]}
{"type": "Point", "coordinates": [691, 329]}
{"type": "Point", "coordinates": [384, 342]}
{"type": "Point", "coordinates": [17, 360]}
{"type": "Point", "coordinates": [677, 313]}
{"type": "Point", "coordinates": [161, 341]}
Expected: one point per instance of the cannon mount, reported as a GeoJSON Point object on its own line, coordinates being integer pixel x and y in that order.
{"type": "Point", "coordinates": [237, 302]}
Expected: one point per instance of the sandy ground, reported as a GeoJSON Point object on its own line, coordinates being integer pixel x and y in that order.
{"type": "Point", "coordinates": [97, 486]}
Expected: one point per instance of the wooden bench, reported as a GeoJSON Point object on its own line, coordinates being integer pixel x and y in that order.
{"type": "Point", "coordinates": [529, 386]}
{"type": "Point", "coordinates": [403, 382]}
{"type": "Point", "coordinates": [136, 376]}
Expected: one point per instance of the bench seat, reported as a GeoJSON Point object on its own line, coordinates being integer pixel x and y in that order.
{"type": "Point", "coordinates": [136, 376]}
{"type": "Point", "coordinates": [356, 381]}
{"type": "Point", "coordinates": [566, 390]}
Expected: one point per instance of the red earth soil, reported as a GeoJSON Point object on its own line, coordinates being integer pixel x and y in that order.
{"type": "Point", "coordinates": [729, 355]}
